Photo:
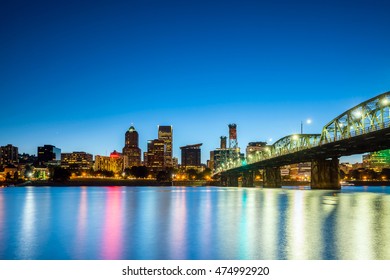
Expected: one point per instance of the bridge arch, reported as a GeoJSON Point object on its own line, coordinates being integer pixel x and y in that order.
{"type": "Point", "coordinates": [370, 115]}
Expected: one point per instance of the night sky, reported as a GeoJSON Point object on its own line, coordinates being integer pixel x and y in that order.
{"type": "Point", "coordinates": [77, 74]}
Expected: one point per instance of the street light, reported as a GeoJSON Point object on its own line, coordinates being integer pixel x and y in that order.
{"type": "Point", "coordinates": [308, 121]}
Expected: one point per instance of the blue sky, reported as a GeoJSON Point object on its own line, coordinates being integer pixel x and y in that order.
{"type": "Point", "coordinates": [77, 74]}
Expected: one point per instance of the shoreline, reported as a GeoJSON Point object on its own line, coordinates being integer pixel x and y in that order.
{"type": "Point", "coordinates": [150, 182]}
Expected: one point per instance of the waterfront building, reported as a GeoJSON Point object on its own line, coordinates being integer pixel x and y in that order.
{"type": "Point", "coordinates": [300, 171]}
{"type": "Point", "coordinates": [377, 160]}
{"type": "Point", "coordinates": [49, 154]}
{"type": "Point", "coordinates": [131, 148]}
{"type": "Point", "coordinates": [156, 155]}
{"type": "Point", "coordinates": [77, 160]}
{"type": "Point", "coordinates": [227, 157]}
{"type": "Point", "coordinates": [165, 133]}
{"type": "Point", "coordinates": [254, 148]}
{"type": "Point", "coordinates": [191, 156]}
{"type": "Point", "coordinates": [8, 155]}
{"type": "Point", "coordinates": [11, 170]}
{"type": "Point", "coordinates": [116, 163]}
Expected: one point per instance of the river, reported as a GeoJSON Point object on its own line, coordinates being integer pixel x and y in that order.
{"type": "Point", "coordinates": [194, 223]}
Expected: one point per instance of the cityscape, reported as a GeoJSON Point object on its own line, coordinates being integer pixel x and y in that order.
{"type": "Point", "coordinates": [158, 162]}
{"type": "Point", "coordinates": [194, 130]}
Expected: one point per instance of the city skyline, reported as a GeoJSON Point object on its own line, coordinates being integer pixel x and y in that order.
{"type": "Point", "coordinates": [76, 72]}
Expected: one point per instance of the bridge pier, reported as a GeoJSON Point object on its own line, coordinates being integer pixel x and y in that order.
{"type": "Point", "coordinates": [272, 177]}
{"type": "Point", "coordinates": [325, 174]}
{"type": "Point", "coordinates": [247, 179]}
{"type": "Point", "coordinates": [224, 180]}
{"type": "Point", "coordinates": [232, 180]}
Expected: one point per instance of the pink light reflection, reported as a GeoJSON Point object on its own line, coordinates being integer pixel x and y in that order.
{"type": "Point", "coordinates": [112, 227]}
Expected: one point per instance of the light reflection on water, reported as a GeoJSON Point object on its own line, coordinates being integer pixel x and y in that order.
{"type": "Point", "coordinates": [194, 223]}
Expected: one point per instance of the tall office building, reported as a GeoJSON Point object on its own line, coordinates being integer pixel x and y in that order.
{"type": "Point", "coordinates": [49, 154]}
{"type": "Point", "coordinates": [156, 155]}
{"type": "Point", "coordinates": [165, 133]}
{"type": "Point", "coordinates": [190, 155]}
{"type": "Point", "coordinates": [131, 149]}
{"type": "Point", "coordinates": [8, 155]}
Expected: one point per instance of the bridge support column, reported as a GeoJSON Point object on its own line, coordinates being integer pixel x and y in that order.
{"type": "Point", "coordinates": [325, 174]}
{"type": "Point", "coordinates": [232, 180]}
{"type": "Point", "coordinates": [247, 179]}
{"type": "Point", "coordinates": [272, 178]}
{"type": "Point", "coordinates": [224, 180]}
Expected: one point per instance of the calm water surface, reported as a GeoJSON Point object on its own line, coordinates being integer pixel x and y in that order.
{"type": "Point", "coordinates": [194, 223]}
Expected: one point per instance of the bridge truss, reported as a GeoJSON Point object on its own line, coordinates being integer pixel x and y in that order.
{"type": "Point", "coordinates": [369, 116]}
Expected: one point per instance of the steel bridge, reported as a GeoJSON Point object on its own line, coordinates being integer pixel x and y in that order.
{"type": "Point", "coordinates": [363, 128]}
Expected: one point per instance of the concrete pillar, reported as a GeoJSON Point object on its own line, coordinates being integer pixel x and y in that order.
{"type": "Point", "coordinates": [224, 180]}
{"type": "Point", "coordinates": [232, 180]}
{"type": "Point", "coordinates": [247, 179]}
{"type": "Point", "coordinates": [325, 174]}
{"type": "Point", "coordinates": [272, 177]}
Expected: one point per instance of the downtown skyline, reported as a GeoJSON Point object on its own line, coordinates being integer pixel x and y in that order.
{"type": "Point", "coordinates": [76, 72]}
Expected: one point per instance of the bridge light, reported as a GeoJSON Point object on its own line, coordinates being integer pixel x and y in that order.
{"type": "Point", "coordinates": [295, 137]}
{"type": "Point", "coordinates": [385, 101]}
{"type": "Point", "coordinates": [357, 114]}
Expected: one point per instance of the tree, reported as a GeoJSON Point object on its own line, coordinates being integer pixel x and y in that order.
{"type": "Point", "coordinates": [8, 176]}
{"type": "Point", "coordinates": [192, 174]}
{"type": "Point", "coordinates": [28, 171]}
{"type": "Point", "coordinates": [16, 176]}
{"type": "Point", "coordinates": [60, 174]}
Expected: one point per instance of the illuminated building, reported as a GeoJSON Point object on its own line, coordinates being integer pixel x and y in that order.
{"type": "Point", "coordinates": [300, 171]}
{"type": "Point", "coordinates": [165, 133]}
{"type": "Point", "coordinates": [131, 149]}
{"type": "Point", "coordinates": [255, 147]}
{"type": "Point", "coordinates": [116, 162]}
{"type": "Point", "coordinates": [191, 156]}
{"type": "Point", "coordinates": [8, 155]}
{"type": "Point", "coordinates": [156, 155]}
{"type": "Point", "coordinates": [78, 160]}
{"type": "Point", "coordinates": [49, 154]}
{"type": "Point", "coordinates": [377, 160]}
{"type": "Point", "coordinates": [227, 157]}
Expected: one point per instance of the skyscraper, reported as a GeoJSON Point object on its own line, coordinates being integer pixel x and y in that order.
{"type": "Point", "coordinates": [190, 155]}
{"type": "Point", "coordinates": [156, 155]}
{"type": "Point", "coordinates": [165, 133]}
{"type": "Point", "coordinates": [131, 149]}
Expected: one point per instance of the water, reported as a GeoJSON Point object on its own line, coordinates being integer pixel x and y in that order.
{"type": "Point", "coordinates": [194, 223]}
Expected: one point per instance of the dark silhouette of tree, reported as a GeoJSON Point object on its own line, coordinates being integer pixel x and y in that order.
{"type": "Point", "coordinates": [163, 176]}
{"type": "Point", "coordinates": [8, 176]}
{"type": "Point", "coordinates": [60, 174]}
{"type": "Point", "coordinates": [385, 174]}
{"type": "Point", "coordinates": [28, 171]}
{"type": "Point", "coordinates": [16, 176]}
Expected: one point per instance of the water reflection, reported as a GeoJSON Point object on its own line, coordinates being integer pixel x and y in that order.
{"type": "Point", "coordinates": [193, 223]}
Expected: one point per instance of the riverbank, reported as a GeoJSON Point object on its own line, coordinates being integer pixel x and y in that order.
{"type": "Point", "coordinates": [152, 182]}
{"type": "Point", "coordinates": [117, 182]}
